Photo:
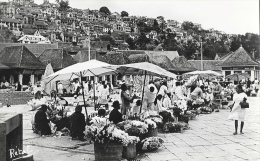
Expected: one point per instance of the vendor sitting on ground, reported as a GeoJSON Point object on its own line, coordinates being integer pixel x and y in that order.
{"type": "Point", "coordinates": [77, 124]}
{"type": "Point", "coordinates": [41, 122]}
{"type": "Point", "coordinates": [61, 99]}
{"type": "Point", "coordinates": [115, 115]}
{"type": "Point", "coordinates": [197, 93]}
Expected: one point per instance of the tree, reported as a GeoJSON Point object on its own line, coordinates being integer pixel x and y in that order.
{"type": "Point", "coordinates": [124, 14]}
{"type": "Point", "coordinates": [156, 26]}
{"type": "Point", "coordinates": [142, 41]}
{"type": "Point", "coordinates": [131, 43]}
{"type": "Point", "coordinates": [64, 5]}
{"type": "Point", "coordinates": [107, 38]}
{"type": "Point", "coordinates": [187, 25]}
{"type": "Point", "coordinates": [190, 49]}
{"type": "Point", "coordinates": [170, 43]}
{"type": "Point", "coordinates": [105, 10]}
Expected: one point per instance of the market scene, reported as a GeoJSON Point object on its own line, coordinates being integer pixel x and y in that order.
{"type": "Point", "coordinates": [96, 85]}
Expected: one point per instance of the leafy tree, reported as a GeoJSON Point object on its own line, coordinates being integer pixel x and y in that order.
{"type": "Point", "coordinates": [187, 25]}
{"type": "Point", "coordinates": [107, 38]}
{"type": "Point", "coordinates": [142, 26]}
{"type": "Point", "coordinates": [105, 10]}
{"type": "Point", "coordinates": [156, 26]}
{"type": "Point", "coordinates": [150, 46]}
{"type": "Point", "coordinates": [190, 49]}
{"type": "Point", "coordinates": [142, 41]}
{"type": "Point", "coordinates": [209, 51]}
{"type": "Point", "coordinates": [131, 43]}
{"type": "Point", "coordinates": [170, 43]}
{"type": "Point", "coordinates": [124, 14]}
{"type": "Point", "coordinates": [63, 5]}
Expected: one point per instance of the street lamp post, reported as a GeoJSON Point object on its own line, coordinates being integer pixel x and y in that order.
{"type": "Point", "coordinates": [201, 61]}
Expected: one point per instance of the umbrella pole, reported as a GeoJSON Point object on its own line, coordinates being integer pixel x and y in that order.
{"type": "Point", "coordinates": [83, 95]}
{"type": "Point", "coordinates": [143, 92]}
{"type": "Point", "coordinates": [94, 89]}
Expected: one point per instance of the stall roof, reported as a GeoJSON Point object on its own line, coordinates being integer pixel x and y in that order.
{"type": "Point", "coordinates": [20, 57]}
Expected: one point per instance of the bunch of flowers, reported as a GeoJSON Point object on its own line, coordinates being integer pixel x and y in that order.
{"type": "Point", "coordinates": [152, 143]}
{"type": "Point", "coordinates": [166, 115]}
{"type": "Point", "coordinates": [99, 121]}
{"type": "Point", "coordinates": [151, 124]}
{"type": "Point", "coordinates": [172, 127]}
{"type": "Point", "coordinates": [198, 101]}
{"type": "Point", "coordinates": [133, 139]}
{"type": "Point", "coordinates": [182, 104]}
{"type": "Point", "coordinates": [108, 133]}
{"type": "Point", "coordinates": [135, 128]}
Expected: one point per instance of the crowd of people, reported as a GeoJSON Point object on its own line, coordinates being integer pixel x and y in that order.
{"type": "Point", "coordinates": [159, 94]}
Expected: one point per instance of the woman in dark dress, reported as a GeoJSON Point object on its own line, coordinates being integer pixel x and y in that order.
{"type": "Point", "coordinates": [41, 122]}
{"type": "Point", "coordinates": [115, 115]}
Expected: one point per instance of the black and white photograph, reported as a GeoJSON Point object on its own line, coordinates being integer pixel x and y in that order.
{"type": "Point", "coordinates": [129, 80]}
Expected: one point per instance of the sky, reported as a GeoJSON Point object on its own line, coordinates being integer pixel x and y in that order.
{"type": "Point", "coordinates": [230, 16]}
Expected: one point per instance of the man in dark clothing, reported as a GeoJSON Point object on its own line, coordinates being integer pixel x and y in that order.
{"type": "Point", "coordinates": [115, 115]}
{"type": "Point", "coordinates": [41, 122]}
{"type": "Point", "coordinates": [77, 124]}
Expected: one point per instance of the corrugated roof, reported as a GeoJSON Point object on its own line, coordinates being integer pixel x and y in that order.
{"type": "Point", "coordinates": [239, 58]}
{"type": "Point", "coordinates": [182, 64]}
{"type": "Point", "coordinates": [170, 54]}
{"type": "Point", "coordinates": [82, 56]}
{"type": "Point", "coordinates": [207, 64]}
{"type": "Point", "coordinates": [117, 58]}
{"type": "Point", "coordinates": [163, 61]}
{"type": "Point", "coordinates": [137, 58]}
{"type": "Point", "coordinates": [20, 57]}
{"type": "Point", "coordinates": [58, 58]}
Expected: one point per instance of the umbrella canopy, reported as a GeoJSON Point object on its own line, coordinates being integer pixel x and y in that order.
{"type": "Point", "coordinates": [48, 86]}
{"type": "Point", "coordinates": [151, 69]}
{"type": "Point", "coordinates": [238, 76]}
{"type": "Point", "coordinates": [204, 73]}
{"type": "Point", "coordinates": [88, 68]}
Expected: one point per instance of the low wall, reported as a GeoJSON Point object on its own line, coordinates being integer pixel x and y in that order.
{"type": "Point", "coordinates": [15, 97]}
{"type": "Point", "coordinates": [11, 136]}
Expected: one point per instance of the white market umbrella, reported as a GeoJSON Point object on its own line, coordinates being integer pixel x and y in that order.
{"type": "Point", "coordinates": [48, 86]}
{"type": "Point", "coordinates": [148, 69]}
{"type": "Point", "coordinates": [205, 73]}
{"type": "Point", "coordinates": [88, 68]}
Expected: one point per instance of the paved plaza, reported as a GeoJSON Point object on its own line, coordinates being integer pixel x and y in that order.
{"type": "Point", "coordinates": [210, 137]}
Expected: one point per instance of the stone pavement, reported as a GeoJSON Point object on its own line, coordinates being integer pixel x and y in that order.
{"type": "Point", "coordinates": [210, 138]}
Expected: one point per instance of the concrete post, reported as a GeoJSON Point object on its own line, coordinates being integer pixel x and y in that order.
{"type": "Point", "coordinates": [103, 77]}
{"type": "Point", "coordinates": [252, 75]}
{"type": "Point", "coordinates": [20, 77]}
{"type": "Point", "coordinates": [32, 80]}
{"type": "Point", "coordinates": [223, 73]}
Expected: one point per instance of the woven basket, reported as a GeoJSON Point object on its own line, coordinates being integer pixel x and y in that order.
{"type": "Point", "coordinates": [108, 151]}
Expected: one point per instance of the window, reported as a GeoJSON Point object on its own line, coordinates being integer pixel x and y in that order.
{"type": "Point", "coordinates": [227, 73]}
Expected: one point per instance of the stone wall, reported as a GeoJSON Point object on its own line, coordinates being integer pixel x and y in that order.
{"type": "Point", "coordinates": [15, 97]}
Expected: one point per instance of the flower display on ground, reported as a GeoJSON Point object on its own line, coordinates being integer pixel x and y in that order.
{"type": "Point", "coordinates": [198, 101]}
{"type": "Point", "coordinates": [109, 133]}
{"type": "Point", "coordinates": [135, 128]}
{"type": "Point", "coordinates": [99, 121]}
{"type": "Point", "coordinates": [151, 124]}
{"type": "Point", "coordinates": [172, 127]}
{"type": "Point", "coordinates": [152, 143]}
